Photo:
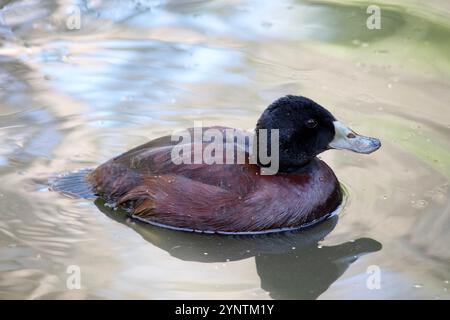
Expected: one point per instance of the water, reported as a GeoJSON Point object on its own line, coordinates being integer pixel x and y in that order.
{"type": "Point", "coordinates": [135, 70]}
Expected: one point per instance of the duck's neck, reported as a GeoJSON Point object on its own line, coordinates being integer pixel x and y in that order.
{"type": "Point", "coordinates": [286, 165]}
{"type": "Point", "coordinates": [306, 166]}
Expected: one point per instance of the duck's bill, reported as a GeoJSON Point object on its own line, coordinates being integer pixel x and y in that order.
{"type": "Point", "coordinates": [347, 139]}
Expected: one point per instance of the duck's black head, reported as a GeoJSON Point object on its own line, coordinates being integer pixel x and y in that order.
{"type": "Point", "coordinates": [305, 130]}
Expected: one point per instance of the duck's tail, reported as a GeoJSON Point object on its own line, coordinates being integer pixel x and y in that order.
{"type": "Point", "coordinates": [73, 184]}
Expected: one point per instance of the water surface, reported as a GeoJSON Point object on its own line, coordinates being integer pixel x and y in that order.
{"type": "Point", "coordinates": [135, 70]}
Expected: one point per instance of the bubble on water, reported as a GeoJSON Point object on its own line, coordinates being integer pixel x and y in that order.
{"type": "Point", "coordinates": [408, 136]}
{"type": "Point", "coordinates": [418, 286]}
{"type": "Point", "coordinates": [66, 58]}
{"type": "Point", "coordinates": [419, 204]}
{"type": "Point", "coordinates": [205, 253]}
{"type": "Point", "coordinates": [384, 197]}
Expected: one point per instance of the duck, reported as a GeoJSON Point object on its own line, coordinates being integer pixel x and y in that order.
{"type": "Point", "coordinates": [236, 197]}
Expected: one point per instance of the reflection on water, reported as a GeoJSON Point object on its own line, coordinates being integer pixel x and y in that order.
{"type": "Point", "coordinates": [290, 265]}
{"type": "Point", "coordinates": [135, 70]}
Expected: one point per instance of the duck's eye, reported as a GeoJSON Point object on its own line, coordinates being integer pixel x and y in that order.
{"type": "Point", "coordinates": [311, 123]}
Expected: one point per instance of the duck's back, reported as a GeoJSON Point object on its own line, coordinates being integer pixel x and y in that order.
{"type": "Point", "coordinates": [155, 160]}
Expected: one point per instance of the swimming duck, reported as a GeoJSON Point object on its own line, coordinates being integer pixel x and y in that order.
{"type": "Point", "coordinates": [236, 198]}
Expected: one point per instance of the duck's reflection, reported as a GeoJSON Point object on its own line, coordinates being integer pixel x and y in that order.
{"type": "Point", "coordinates": [291, 265]}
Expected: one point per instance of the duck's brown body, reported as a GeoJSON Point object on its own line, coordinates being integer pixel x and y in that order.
{"type": "Point", "coordinates": [215, 198]}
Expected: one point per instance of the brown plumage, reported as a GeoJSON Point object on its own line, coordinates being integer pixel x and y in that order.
{"type": "Point", "coordinates": [217, 197]}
